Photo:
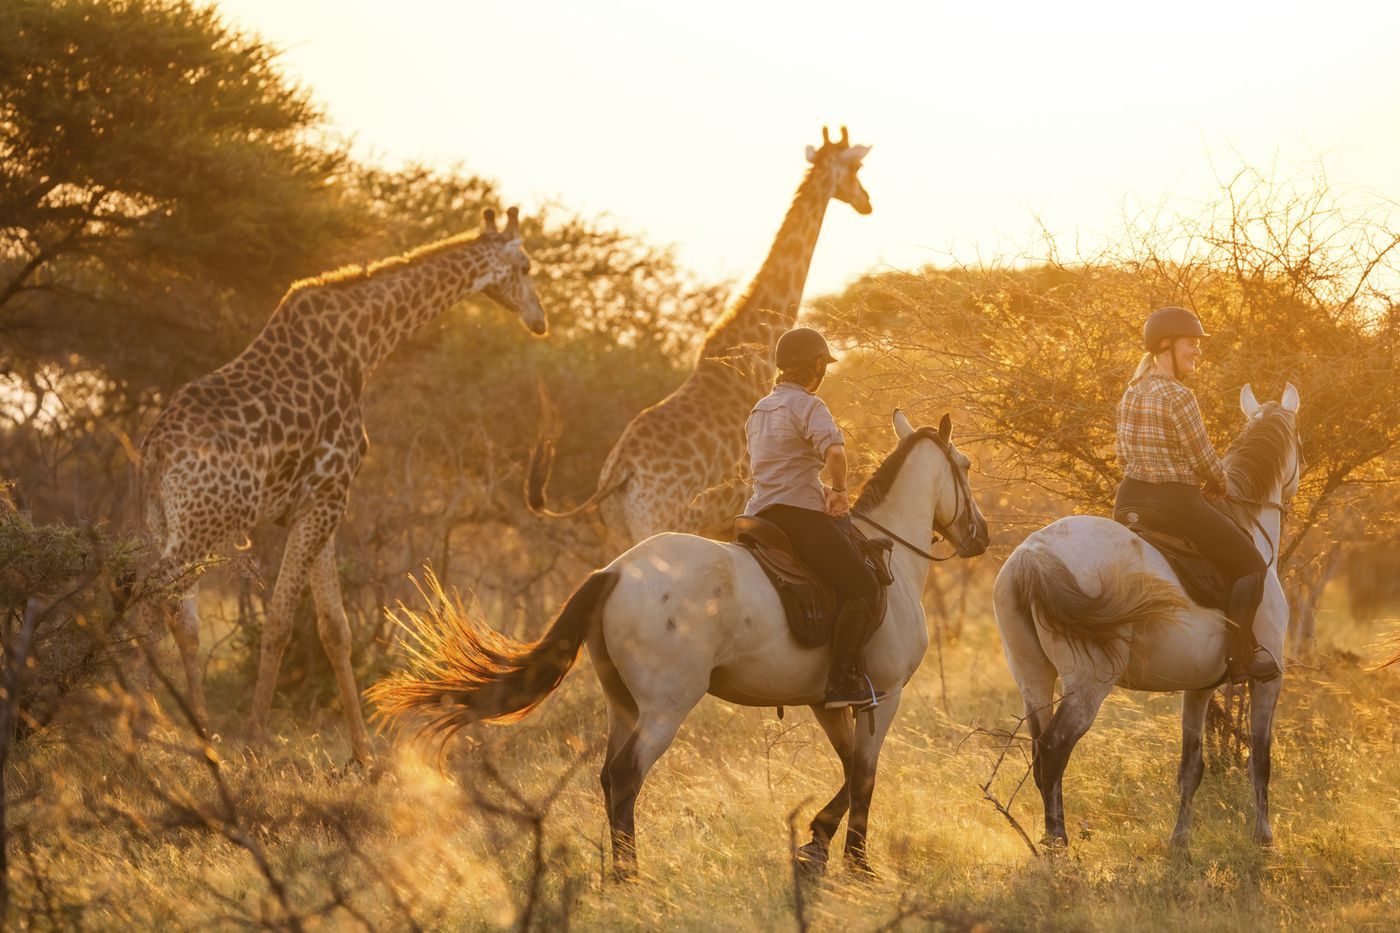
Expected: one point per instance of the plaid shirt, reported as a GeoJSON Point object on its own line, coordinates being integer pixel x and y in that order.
{"type": "Point", "coordinates": [1161, 437]}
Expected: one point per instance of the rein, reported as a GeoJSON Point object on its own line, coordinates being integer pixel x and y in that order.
{"type": "Point", "coordinates": [940, 532]}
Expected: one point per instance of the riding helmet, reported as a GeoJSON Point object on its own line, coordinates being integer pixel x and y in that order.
{"type": "Point", "coordinates": [801, 345]}
{"type": "Point", "coordinates": [1166, 323]}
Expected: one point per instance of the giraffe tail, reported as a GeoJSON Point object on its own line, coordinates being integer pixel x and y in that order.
{"type": "Point", "coordinates": [463, 672]}
{"type": "Point", "coordinates": [537, 480]}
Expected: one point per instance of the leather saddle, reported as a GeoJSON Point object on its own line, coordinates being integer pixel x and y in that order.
{"type": "Point", "coordinates": [809, 601]}
{"type": "Point", "coordinates": [1199, 576]}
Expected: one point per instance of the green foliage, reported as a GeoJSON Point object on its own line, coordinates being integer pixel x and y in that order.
{"type": "Point", "coordinates": [152, 161]}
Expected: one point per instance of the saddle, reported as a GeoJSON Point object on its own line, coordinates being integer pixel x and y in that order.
{"type": "Point", "coordinates": [1199, 576]}
{"type": "Point", "coordinates": [809, 601]}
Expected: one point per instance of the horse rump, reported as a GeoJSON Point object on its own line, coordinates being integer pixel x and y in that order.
{"type": "Point", "coordinates": [461, 671]}
{"type": "Point", "coordinates": [1047, 590]}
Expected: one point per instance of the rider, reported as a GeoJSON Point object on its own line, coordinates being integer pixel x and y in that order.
{"type": "Point", "coordinates": [792, 437]}
{"type": "Point", "coordinates": [1171, 469]}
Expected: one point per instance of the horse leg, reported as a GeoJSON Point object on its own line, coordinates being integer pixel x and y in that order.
{"type": "Point", "coordinates": [624, 772]}
{"type": "Point", "coordinates": [1071, 720]}
{"type": "Point", "coordinates": [334, 629]}
{"type": "Point", "coordinates": [839, 729]}
{"type": "Point", "coordinates": [862, 780]}
{"type": "Point", "coordinates": [1263, 697]}
{"type": "Point", "coordinates": [305, 541]}
{"type": "Point", "coordinates": [1194, 704]}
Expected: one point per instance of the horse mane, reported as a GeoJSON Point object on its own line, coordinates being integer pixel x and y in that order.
{"type": "Point", "coordinates": [1254, 462]}
{"type": "Point", "coordinates": [878, 486]}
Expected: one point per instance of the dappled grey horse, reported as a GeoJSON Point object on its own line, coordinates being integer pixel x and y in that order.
{"type": "Point", "coordinates": [679, 616]}
{"type": "Point", "coordinates": [1087, 600]}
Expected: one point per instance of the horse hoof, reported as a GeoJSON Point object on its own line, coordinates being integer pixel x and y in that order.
{"type": "Point", "coordinates": [811, 860]}
{"type": "Point", "coordinates": [861, 869]}
{"type": "Point", "coordinates": [1264, 838]}
{"type": "Point", "coordinates": [1180, 841]}
{"type": "Point", "coordinates": [1054, 845]}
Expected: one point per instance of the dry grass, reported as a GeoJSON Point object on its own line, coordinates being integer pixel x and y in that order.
{"type": "Point", "coordinates": [105, 839]}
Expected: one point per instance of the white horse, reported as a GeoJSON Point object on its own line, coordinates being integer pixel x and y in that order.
{"type": "Point", "coordinates": [679, 616]}
{"type": "Point", "coordinates": [1088, 600]}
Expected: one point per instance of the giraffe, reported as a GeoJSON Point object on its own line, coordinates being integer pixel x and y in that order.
{"type": "Point", "coordinates": [679, 465]}
{"type": "Point", "coordinates": [275, 435]}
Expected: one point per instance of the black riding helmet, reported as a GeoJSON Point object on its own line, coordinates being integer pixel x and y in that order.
{"type": "Point", "coordinates": [1166, 323]}
{"type": "Point", "coordinates": [801, 345]}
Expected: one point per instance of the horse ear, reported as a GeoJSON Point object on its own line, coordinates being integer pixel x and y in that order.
{"type": "Point", "coordinates": [1248, 403]}
{"type": "Point", "coordinates": [1290, 398]}
{"type": "Point", "coordinates": [945, 428]}
{"type": "Point", "coordinates": [902, 427]}
{"type": "Point", "coordinates": [811, 154]}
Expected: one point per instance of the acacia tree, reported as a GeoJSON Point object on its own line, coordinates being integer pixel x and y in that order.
{"type": "Point", "coordinates": [152, 161]}
{"type": "Point", "coordinates": [1293, 287]}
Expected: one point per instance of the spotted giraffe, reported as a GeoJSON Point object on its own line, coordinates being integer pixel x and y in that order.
{"type": "Point", "coordinates": [678, 465]}
{"type": "Point", "coordinates": [276, 435]}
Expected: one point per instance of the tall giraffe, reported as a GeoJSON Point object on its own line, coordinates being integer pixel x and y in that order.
{"type": "Point", "coordinates": [678, 465]}
{"type": "Point", "coordinates": [275, 435]}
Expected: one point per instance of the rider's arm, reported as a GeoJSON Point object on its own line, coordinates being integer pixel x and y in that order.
{"type": "Point", "coordinates": [838, 501]}
{"type": "Point", "coordinates": [1195, 443]}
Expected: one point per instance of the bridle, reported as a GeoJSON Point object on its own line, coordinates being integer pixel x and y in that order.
{"type": "Point", "coordinates": [939, 531]}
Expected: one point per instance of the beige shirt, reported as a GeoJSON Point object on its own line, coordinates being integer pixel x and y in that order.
{"type": "Point", "coordinates": [790, 431]}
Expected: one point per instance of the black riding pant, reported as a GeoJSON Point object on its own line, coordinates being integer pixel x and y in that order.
{"type": "Point", "coordinates": [825, 548]}
{"type": "Point", "coordinates": [1190, 516]}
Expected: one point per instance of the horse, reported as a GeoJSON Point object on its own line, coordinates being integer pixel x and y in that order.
{"type": "Point", "coordinates": [679, 616]}
{"type": "Point", "coordinates": [1087, 600]}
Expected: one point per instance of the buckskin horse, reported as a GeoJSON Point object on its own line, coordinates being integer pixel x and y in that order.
{"type": "Point", "coordinates": [1088, 600]}
{"type": "Point", "coordinates": [679, 616]}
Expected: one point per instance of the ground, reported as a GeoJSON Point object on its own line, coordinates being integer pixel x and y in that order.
{"type": "Point", "coordinates": [111, 836]}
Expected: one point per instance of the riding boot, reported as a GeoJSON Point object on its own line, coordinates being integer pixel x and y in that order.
{"type": "Point", "coordinates": [845, 685]}
{"type": "Point", "coordinates": [1245, 659]}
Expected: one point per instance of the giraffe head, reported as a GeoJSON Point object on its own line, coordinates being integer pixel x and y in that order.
{"type": "Point", "coordinates": [841, 161]}
{"type": "Point", "coordinates": [507, 273]}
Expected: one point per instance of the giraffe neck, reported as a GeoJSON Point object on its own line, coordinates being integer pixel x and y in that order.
{"type": "Point", "coordinates": [769, 306]}
{"type": "Point", "coordinates": [358, 317]}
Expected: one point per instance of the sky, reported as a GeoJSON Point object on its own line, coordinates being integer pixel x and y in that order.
{"type": "Point", "coordinates": [687, 122]}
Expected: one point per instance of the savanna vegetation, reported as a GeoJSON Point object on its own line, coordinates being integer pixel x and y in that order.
{"type": "Point", "coordinates": [161, 184]}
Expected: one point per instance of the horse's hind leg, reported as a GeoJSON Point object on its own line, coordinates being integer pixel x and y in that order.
{"type": "Point", "coordinates": [630, 757]}
{"type": "Point", "coordinates": [1071, 720]}
{"type": "Point", "coordinates": [1263, 697]}
{"type": "Point", "coordinates": [837, 725]}
{"type": "Point", "coordinates": [1194, 704]}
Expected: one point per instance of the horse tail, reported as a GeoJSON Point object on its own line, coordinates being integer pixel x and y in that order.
{"type": "Point", "coordinates": [462, 671]}
{"type": "Point", "coordinates": [1047, 589]}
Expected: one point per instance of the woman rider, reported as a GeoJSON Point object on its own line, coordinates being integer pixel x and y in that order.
{"type": "Point", "coordinates": [792, 437]}
{"type": "Point", "coordinates": [1171, 469]}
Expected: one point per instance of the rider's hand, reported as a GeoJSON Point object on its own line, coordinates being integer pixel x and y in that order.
{"type": "Point", "coordinates": [838, 502]}
{"type": "Point", "coordinates": [1213, 492]}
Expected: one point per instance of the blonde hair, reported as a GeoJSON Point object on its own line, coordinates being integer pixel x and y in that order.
{"type": "Point", "coordinates": [1148, 361]}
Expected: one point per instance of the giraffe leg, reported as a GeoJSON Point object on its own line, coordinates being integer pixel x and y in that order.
{"type": "Point", "coordinates": [184, 625]}
{"type": "Point", "coordinates": [305, 541]}
{"type": "Point", "coordinates": [334, 629]}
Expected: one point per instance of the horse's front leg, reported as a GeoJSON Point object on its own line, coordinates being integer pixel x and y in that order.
{"type": "Point", "coordinates": [1263, 698]}
{"type": "Point", "coordinates": [837, 725]}
{"type": "Point", "coordinates": [862, 778]}
{"type": "Point", "coordinates": [1194, 704]}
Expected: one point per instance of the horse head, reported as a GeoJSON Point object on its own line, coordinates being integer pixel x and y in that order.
{"type": "Point", "coordinates": [956, 515]}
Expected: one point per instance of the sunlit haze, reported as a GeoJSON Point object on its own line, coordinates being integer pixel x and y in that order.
{"type": "Point", "coordinates": [687, 122]}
